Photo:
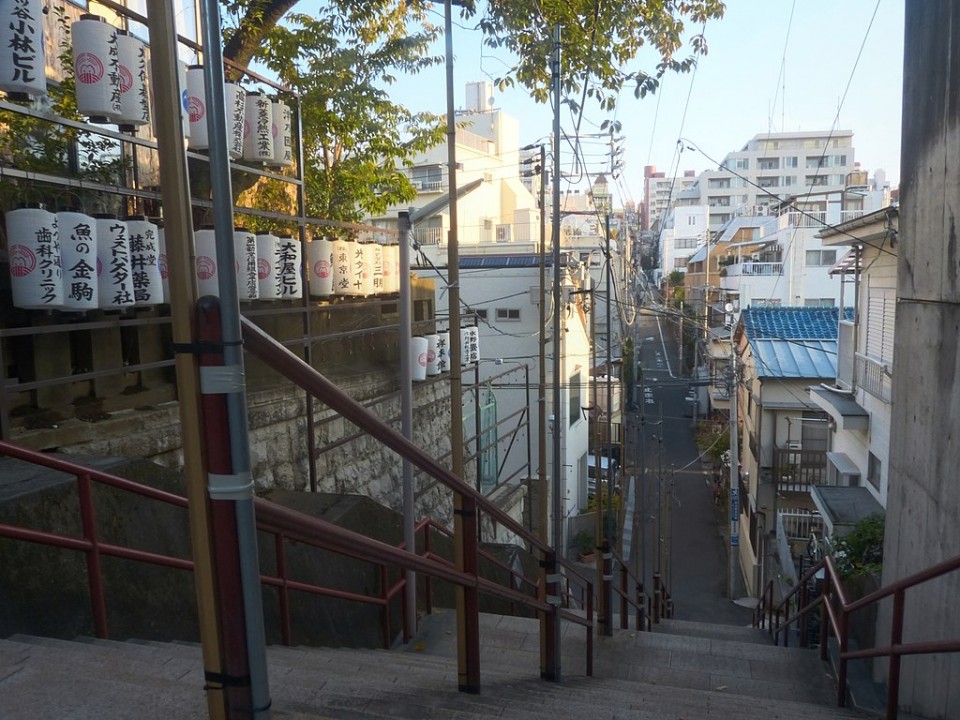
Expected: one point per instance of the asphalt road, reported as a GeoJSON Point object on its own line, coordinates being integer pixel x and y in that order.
{"type": "Point", "coordinates": [685, 540]}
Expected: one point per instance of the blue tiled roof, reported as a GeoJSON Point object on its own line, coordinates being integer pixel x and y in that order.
{"type": "Point", "coordinates": [795, 358]}
{"type": "Point", "coordinates": [504, 261]}
{"type": "Point", "coordinates": [792, 323]}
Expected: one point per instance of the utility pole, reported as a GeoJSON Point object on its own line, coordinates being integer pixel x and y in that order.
{"type": "Point", "coordinates": [734, 474]}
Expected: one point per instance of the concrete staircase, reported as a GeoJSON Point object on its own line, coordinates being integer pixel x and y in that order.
{"type": "Point", "coordinates": [684, 671]}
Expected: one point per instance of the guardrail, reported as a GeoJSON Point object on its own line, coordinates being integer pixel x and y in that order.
{"type": "Point", "coordinates": [835, 610]}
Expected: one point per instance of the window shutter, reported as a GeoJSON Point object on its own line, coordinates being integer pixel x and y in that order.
{"type": "Point", "coordinates": [880, 323]}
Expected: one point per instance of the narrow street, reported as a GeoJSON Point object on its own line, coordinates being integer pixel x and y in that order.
{"type": "Point", "coordinates": [684, 541]}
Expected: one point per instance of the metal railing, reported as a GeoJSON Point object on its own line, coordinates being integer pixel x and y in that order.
{"type": "Point", "coordinates": [763, 269]}
{"type": "Point", "coordinates": [874, 377]}
{"type": "Point", "coordinates": [835, 608]}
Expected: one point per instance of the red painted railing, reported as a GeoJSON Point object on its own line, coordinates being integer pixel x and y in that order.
{"type": "Point", "coordinates": [835, 611]}
{"type": "Point", "coordinates": [284, 526]}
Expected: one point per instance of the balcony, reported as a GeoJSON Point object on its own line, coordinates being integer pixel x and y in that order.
{"type": "Point", "coordinates": [428, 235]}
{"type": "Point", "coordinates": [803, 220]}
{"type": "Point", "coordinates": [874, 377]}
{"type": "Point", "coordinates": [768, 269]}
{"type": "Point", "coordinates": [798, 470]}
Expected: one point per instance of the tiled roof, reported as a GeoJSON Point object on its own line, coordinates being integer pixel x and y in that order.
{"type": "Point", "coordinates": [791, 323]}
{"type": "Point", "coordinates": [795, 358]}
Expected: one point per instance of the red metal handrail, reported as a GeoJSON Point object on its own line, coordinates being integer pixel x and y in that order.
{"type": "Point", "coordinates": [835, 610]}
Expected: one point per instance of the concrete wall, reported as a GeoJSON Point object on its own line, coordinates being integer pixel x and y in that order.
{"type": "Point", "coordinates": [923, 503]}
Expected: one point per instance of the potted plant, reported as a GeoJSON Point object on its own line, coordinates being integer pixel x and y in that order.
{"type": "Point", "coordinates": [586, 545]}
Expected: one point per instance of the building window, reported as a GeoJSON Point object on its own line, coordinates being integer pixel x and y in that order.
{"type": "Point", "coordinates": [791, 162]}
{"type": "Point", "coordinates": [769, 164]}
{"type": "Point", "coordinates": [880, 318]}
{"type": "Point", "coordinates": [691, 220]}
{"type": "Point", "coordinates": [839, 160]}
{"type": "Point", "coordinates": [873, 471]}
{"type": "Point", "coordinates": [819, 302]}
{"type": "Point", "coordinates": [680, 263]}
{"type": "Point", "coordinates": [768, 182]}
{"type": "Point", "coordinates": [574, 398]}
{"type": "Point", "coordinates": [821, 257]}
{"type": "Point", "coordinates": [481, 313]}
{"type": "Point", "coordinates": [508, 314]}
{"type": "Point", "coordinates": [765, 302]}
{"type": "Point", "coordinates": [814, 180]}
{"type": "Point", "coordinates": [743, 163]}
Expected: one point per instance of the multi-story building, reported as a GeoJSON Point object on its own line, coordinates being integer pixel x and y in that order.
{"type": "Point", "coordinates": [685, 229]}
{"type": "Point", "coordinates": [774, 166]}
{"type": "Point", "coordinates": [659, 194]}
{"type": "Point", "coordinates": [859, 402]}
{"type": "Point", "coordinates": [780, 353]}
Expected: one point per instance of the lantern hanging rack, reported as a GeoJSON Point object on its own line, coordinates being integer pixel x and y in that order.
{"type": "Point", "coordinates": [126, 12]}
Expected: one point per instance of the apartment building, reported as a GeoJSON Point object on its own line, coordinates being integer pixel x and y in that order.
{"type": "Point", "coordinates": [660, 193]}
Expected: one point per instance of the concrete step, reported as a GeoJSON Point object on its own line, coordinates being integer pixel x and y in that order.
{"type": "Point", "coordinates": [710, 630]}
{"type": "Point", "coordinates": [645, 677]}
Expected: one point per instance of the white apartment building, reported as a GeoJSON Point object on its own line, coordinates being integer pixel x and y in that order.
{"type": "Point", "coordinates": [773, 166]}
{"type": "Point", "coordinates": [685, 229]}
{"type": "Point", "coordinates": [660, 193]}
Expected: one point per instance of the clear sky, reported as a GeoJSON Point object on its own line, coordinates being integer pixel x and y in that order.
{"type": "Point", "coordinates": [773, 65]}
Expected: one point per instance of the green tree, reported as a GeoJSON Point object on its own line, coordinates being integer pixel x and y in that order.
{"type": "Point", "coordinates": [601, 41]}
{"type": "Point", "coordinates": [355, 139]}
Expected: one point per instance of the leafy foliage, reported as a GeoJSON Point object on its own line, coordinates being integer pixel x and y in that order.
{"type": "Point", "coordinates": [34, 144]}
{"type": "Point", "coordinates": [355, 139]}
{"type": "Point", "coordinates": [860, 552]}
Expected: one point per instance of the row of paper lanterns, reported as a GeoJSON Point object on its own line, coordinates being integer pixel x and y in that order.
{"type": "Point", "coordinates": [76, 262]}
{"type": "Point", "coordinates": [352, 268]}
{"type": "Point", "coordinates": [430, 354]}
{"type": "Point", "coordinates": [112, 84]}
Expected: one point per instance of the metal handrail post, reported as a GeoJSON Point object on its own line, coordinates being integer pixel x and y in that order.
{"type": "Point", "coordinates": [88, 519]}
{"type": "Point", "coordinates": [893, 672]}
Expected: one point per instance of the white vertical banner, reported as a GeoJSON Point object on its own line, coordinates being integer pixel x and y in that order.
{"type": "Point", "coordinates": [23, 60]}
{"type": "Point", "coordinates": [235, 98]}
{"type": "Point", "coordinates": [35, 261]}
{"type": "Point", "coordinates": [258, 128]}
{"type": "Point", "coordinates": [78, 251]}
{"type": "Point", "coordinates": [197, 108]}
{"type": "Point", "coordinates": [205, 254]}
{"type": "Point", "coordinates": [245, 249]}
{"type": "Point", "coordinates": [134, 96]}
{"type": "Point", "coordinates": [268, 247]}
{"type": "Point", "coordinates": [320, 264]}
{"type": "Point", "coordinates": [96, 67]}
{"type": "Point", "coordinates": [282, 132]}
{"type": "Point", "coordinates": [115, 285]}
{"type": "Point", "coordinates": [342, 250]}
{"type": "Point", "coordinates": [289, 269]}
{"type": "Point", "coordinates": [144, 240]}
{"type": "Point", "coordinates": [418, 358]}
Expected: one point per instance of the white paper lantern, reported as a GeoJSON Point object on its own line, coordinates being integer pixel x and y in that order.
{"type": "Point", "coordinates": [418, 358]}
{"type": "Point", "coordinates": [134, 97]}
{"type": "Point", "coordinates": [433, 357]}
{"type": "Point", "coordinates": [197, 108]}
{"type": "Point", "coordinates": [235, 98]}
{"type": "Point", "coordinates": [184, 97]}
{"type": "Point", "coordinates": [205, 264]}
{"type": "Point", "coordinates": [78, 251]}
{"type": "Point", "coordinates": [443, 351]}
{"type": "Point", "coordinates": [320, 264]}
{"type": "Point", "coordinates": [163, 263]}
{"type": "Point", "coordinates": [282, 131]}
{"type": "Point", "coordinates": [144, 240]}
{"type": "Point", "coordinates": [245, 249]}
{"type": "Point", "coordinates": [268, 249]}
{"type": "Point", "coordinates": [96, 66]}
{"type": "Point", "coordinates": [386, 264]}
{"type": "Point", "coordinates": [258, 128]}
{"type": "Point", "coordinates": [289, 262]}
{"type": "Point", "coordinates": [394, 260]}
{"type": "Point", "coordinates": [23, 61]}
{"type": "Point", "coordinates": [376, 269]}
{"type": "Point", "coordinates": [35, 263]}
{"type": "Point", "coordinates": [367, 251]}
{"type": "Point", "coordinates": [115, 286]}
{"type": "Point", "coordinates": [344, 252]}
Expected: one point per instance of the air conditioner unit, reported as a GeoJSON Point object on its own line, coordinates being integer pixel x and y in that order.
{"type": "Point", "coordinates": [504, 233]}
{"type": "Point", "coordinates": [755, 257]}
{"type": "Point", "coordinates": [794, 445]}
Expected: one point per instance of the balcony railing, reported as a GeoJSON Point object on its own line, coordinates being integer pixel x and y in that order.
{"type": "Point", "coordinates": [768, 269]}
{"type": "Point", "coordinates": [803, 220]}
{"type": "Point", "coordinates": [797, 470]}
{"type": "Point", "coordinates": [428, 235]}
{"type": "Point", "coordinates": [797, 525]}
{"type": "Point", "coordinates": [874, 377]}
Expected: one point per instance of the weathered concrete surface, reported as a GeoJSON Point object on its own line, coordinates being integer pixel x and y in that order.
{"type": "Point", "coordinates": [923, 504]}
